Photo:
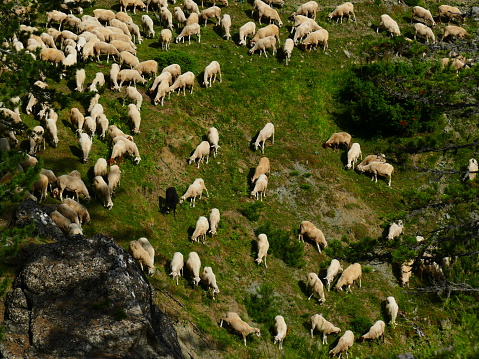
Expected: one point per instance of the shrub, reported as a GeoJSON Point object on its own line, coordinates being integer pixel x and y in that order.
{"type": "Point", "coordinates": [185, 60]}
{"type": "Point", "coordinates": [251, 211]}
{"type": "Point", "coordinates": [261, 306]}
{"type": "Point", "coordinates": [360, 324]}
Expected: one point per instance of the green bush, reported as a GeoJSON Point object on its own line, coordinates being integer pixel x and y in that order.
{"type": "Point", "coordinates": [252, 211]}
{"type": "Point", "coordinates": [261, 306]}
{"type": "Point", "coordinates": [412, 2]}
{"type": "Point", "coordinates": [360, 324]}
{"type": "Point", "coordinates": [186, 61]}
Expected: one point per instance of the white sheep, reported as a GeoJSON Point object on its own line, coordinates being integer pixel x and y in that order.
{"type": "Point", "coordinates": [350, 275]}
{"type": "Point", "coordinates": [260, 187]}
{"type": "Point", "coordinates": [89, 126]}
{"type": "Point", "coordinates": [99, 80]}
{"type": "Point", "coordinates": [122, 43]}
{"type": "Point", "coordinates": [269, 30]}
{"type": "Point", "coordinates": [318, 322]}
{"type": "Point", "coordinates": [52, 179]}
{"type": "Point", "coordinates": [134, 95]}
{"type": "Point", "coordinates": [163, 90]}
{"type": "Point", "coordinates": [129, 76]}
{"type": "Point", "coordinates": [74, 228]}
{"type": "Point", "coordinates": [114, 176]}
{"type": "Point", "coordinates": [315, 286]}
{"type": "Point", "coordinates": [353, 154]}
{"type": "Point", "coordinates": [266, 133]}
{"type": "Point", "coordinates": [423, 14]}
{"type": "Point", "coordinates": [134, 117]}
{"type": "Point", "coordinates": [213, 12]}
{"type": "Point", "coordinates": [263, 246]}
{"type": "Point", "coordinates": [164, 76]}
{"type": "Point", "coordinates": [454, 31]}
{"type": "Point", "coordinates": [37, 139]}
{"type": "Point", "coordinates": [80, 77]}
{"type": "Point", "coordinates": [96, 111]}
{"type": "Point", "coordinates": [378, 168]}
{"type": "Point", "coordinates": [213, 138]}
{"type": "Point", "coordinates": [182, 82]}
{"type": "Point", "coordinates": [342, 10]}
{"type": "Point", "coordinates": [147, 25]}
{"type": "Point", "coordinates": [307, 9]}
{"type": "Point", "coordinates": [103, 192]}
{"type": "Point", "coordinates": [193, 18]}
{"type": "Point", "coordinates": [262, 168]}
{"type": "Point", "coordinates": [53, 56]}
{"type": "Point", "coordinates": [80, 210]}
{"type": "Point", "coordinates": [378, 157]}
{"type": "Point", "coordinates": [316, 38]}
{"type": "Point", "coordinates": [125, 3]}
{"type": "Point", "coordinates": [472, 168]}
{"type": "Point", "coordinates": [100, 168]}
{"type": "Point", "coordinates": [128, 59]}
{"type": "Point", "coordinates": [194, 190]}
{"type": "Point", "coordinates": [269, 13]}
{"type": "Point", "coordinates": [201, 228]}
{"type": "Point", "coordinates": [344, 343]}
{"type": "Point", "coordinates": [392, 309]}
{"type": "Point", "coordinates": [102, 125]}
{"type": "Point", "coordinates": [115, 23]}
{"type": "Point", "coordinates": [193, 264]}
{"type": "Point", "coordinates": [333, 270]}
{"type": "Point", "coordinates": [424, 31]}
{"type": "Point", "coordinates": [134, 31]}
{"type": "Point", "coordinates": [388, 24]}
{"type": "Point", "coordinates": [191, 7]}
{"type": "Point", "coordinates": [201, 151]}
{"type": "Point", "coordinates": [375, 332]}
{"type": "Point", "coordinates": [395, 229]}
{"type": "Point", "coordinates": [41, 185]}
{"type": "Point", "coordinates": [243, 328]}
{"type": "Point", "coordinates": [61, 221]}
{"type": "Point", "coordinates": [123, 16]}
{"type": "Point", "coordinates": [450, 12]}
{"type": "Point", "coordinates": [114, 71]}
{"type": "Point", "coordinates": [210, 73]}
{"type": "Point", "coordinates": [179, 15]}
{"type": "Point", "coordinates": [142, 256]}
{"type": "Point", "coordinates": [104, 15]}
{"type": "Point", "coordinates": [226, 26]}
{"type": "Point", "coordinates": [52, 131]}
{"type": "Point", "coordinates": [209, 279]}
{"type": "Point", "coordinates": [167, 17]}
{"type": "Point", "coordinates": [93, 102]}
{"type": "Point", "coordinates": [147, 247]}
{"type": "Point", "coordinates": [188, 30]}
{"type": "Point", "coordinates": [176, 265]}
{"type": "Point", "coordinates": [85, 142]}
{"type": "Point", "coordinates": [406, 272]}
{"type": "Point", "coordinates": [313, 233]}
{"type": "Point", "coordinates": [165, 39]}
{"type": "Point", "coordinates": [281, 330]}
{"type": "Point", "coordinates": [173, 69]}
{"type": "Point", "coordinates": [103, 48]}
{"type": "Point", "coordinates": [71, 184]}
{"type": "Point", "coordinates": [55, 16]}
{"type": "Point", "coordinates": [246, 30]}
{"type": "Point", "coordinates": [287, 50]}
{"type": "Point", "coordinates": [214, 221]}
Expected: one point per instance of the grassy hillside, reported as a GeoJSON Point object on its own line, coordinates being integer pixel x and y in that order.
{"type": "Point", "coordinates": [306, 183]}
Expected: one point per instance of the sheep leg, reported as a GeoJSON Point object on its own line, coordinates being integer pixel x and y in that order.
{"type": "Point", "coordinates": [265, 262]}
{"type": "Point", "coordinates": [325, 338]}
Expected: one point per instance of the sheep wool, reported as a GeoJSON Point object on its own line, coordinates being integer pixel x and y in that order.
{"type": "Point", "coordinates": [243, 328]}
{"type": "Point", "coordinates": [318, 322]}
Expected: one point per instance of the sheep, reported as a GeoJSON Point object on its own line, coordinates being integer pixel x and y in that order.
{"type": "Point", "coordinates": [287, 50]}
{"type": "Point", "coordinates": [193, 18]}
{"type": "Point", "coordinates": [210, 73]}
{"type": "Point", "coordinates": [456, 63]}
{"type": "Point", "coordinates": [378, 157]}
{"type": "Point", "coordinates": [103, 48]}
{"type": "Point", "coordinates": [454, 31]}
{"type": "Point", "coordinates": [114, 71]}
{"type": "Point", "coordinates": [104, 15]}
{"type": "Point", "coordinates": [191, 6]}
{"type": "Point", "coordinates": [122, 45]}
{"type": "Point", "coordinates": [158, 3]}
{"type": "Point", "coordinates": [128, 59]}
{"type": "Point", "coordinates": [256, 5]}
{"type": "Point", "coordinates": [55, 16]}
{"type": "Point", "coordinates": [164, 76]}
{"type": "Point", "coordinates": [201, 151]}
{"type": "Point", "coordinates": [201, 228]}
{"type": "Point", "coordinates": [269, 13]}
{"type": "Point", "coordinates": [36, 138]}
{"type": "Point", "coordinates": [333, 270]}
{"type": "Point", "coordinates": [188, 30]}
{"type": "Point", "coordinates": [134, 117]}
{"type": "Point", "coordinates": [378, 168]}
{"type": "Point", "coordinates": [134, 31]}
{"type": "Point", "coordinates": [313, 233]}
{"type": "Point", "coordinates": [472, 168]}
{"type": "Point", "coordinates": [30, 161]}
{"type": "Point", "coordinates": [14, 116]}
{"type": "Point", "coordinates": [423, 14]}
{"type": "Point", "coordinates": [266, 133]}
{"type": "Point", "coordinates": [226, 26]}
{"type": "Point", "coordinates": [68, 35]}
{"type": "Point", "coordinates": [176, 265]}
{"type": "Point", "coordinates": [61, 221]}
{"type": "Point", "coordinates": [96, 111]}
{"type": "Point", "coordinates": [125, 3]}
{"type": "Point", "coordinates": [89, 126]}
{"type": "Point", "coordinates": [316, 38]}
{"type": "Point", "coordinates": [142, 256]}
{"type": "Point", "coordinates": [213, 12]}
{"type": "Point", "coordinates": [54, 56]}
{"type": "Point", "coordinates": [100, 168]}
{"type": "Point", "coordinates": [213, 139]}
{"type": "Point", "coordinates": [337, 139]}
{"type": "Point", "coordinates": [171, 200]}
{"type": "Point", "coordinates": [344, 343]}
{"type": "Point", "coordinates": [318, 322]}
{"type": "Point", "coordinates": [114, 131]}
{"type": "Point", "coordinates": [52, 179]}
{"type": "Point", "coordinates": [88, 50]}
{"type": "Point", "coordinates": [93, 102]}
{"type": "Point", "coordinates": [193, 264]}
{"type": "Point", "coordinates": [353, 154]}
{"type": "Point", "coordinates": [74, 228]}
{"type": "Point", "coordinates": [149, 67]}
{"type": "Point", "coordinates": [84, 142]}
{"type": "Point", "coordinates": [262, 168]}
{"type": "Point", "coordinates": [147, 25]}
{"type": "Point", "coordinates": [72, 21]}
{"type": "Point", "coordinates": [69, 213]}
{"type": "Point", "coordinates": [350, 275]}
{"type": "Point", "coordinates": [80, 210]}
{"type": "Point", "coordinates": [129, 76]}
{"type": "Point", "coordinates": [99, 80]}
{"type": "Point", "coordinates": [209, 279]}
{"type": "Point", "coordinates": [163, 90]}
{"type": "Point", "coordinates": [46, 38]}
{"type": "Point", "coordinates": [51, 128]}
{"type": "Point", "coordinates": [281, 330]}
{"type": "Point", "coordinates": [134, 95]}
{"type": "Point", "coordinates": [214, 220]}
{"type": "Point", "coordinates": [123, 16]}
{"type": "Point", "coordinates": [388, 24]}
{"type": "Point", "coordinates": [179, 16]}
{"type": "Point", "coordinates": [173, 69]}
{"type": "Point", "coordinates": [102, 125]}
{"type": "Point", "coordinates": [167, 17]}
{"type": "Point", "coordinates": [194, 190]}
{"type": "Point", "coordinates": [114, 176]}
{"type": "Point", "coordinates": [118, 150]}
{"type": "Point", "coordinates": [147, 247]}
{"type": "Point", "coordinates": [375, 332]}
{"type": "Point", "coordinates": [406, 271]}
{"type": "Point", "coordinates": [72, 184]}
{"type": "Point", "coordinates": [246, 30]}
{"type": "Point", "coordinates": [260, 187]}
{"type": "Point", "coordinates": [41, 185]}
{"type": "Point", "coordinates": [183, 81]}
{"type": "Point", "coordinates": [342, 10]}
{"type": "Point", "coordinates": [263, 246]}
{"type": "Point", "coordinates": [132, 150]}
{"type": "Point", "coordinates": [450, 12]}
{"type": "Point", "coordinates": [315, 286]}
{"type": "Point", "coordinates": [269, 30]}
{"type": "Point", "coordinates": [395, 230]}
{"type": "Point", "coordinates": [165, 39]}
{"type": "Point", "coordinates": [103, 191]}
{"type": "Point", "coordinates": [392, 309]}
{"type": "Point", "coordinates": [239, 325]}
{"type": "Point", "coordinates": [306, 9]}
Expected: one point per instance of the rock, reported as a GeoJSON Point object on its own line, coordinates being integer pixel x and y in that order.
{"type": "Point", "coordinates": [405, 356]}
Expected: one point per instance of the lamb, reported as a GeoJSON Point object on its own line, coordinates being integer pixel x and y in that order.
{"type": "Point", "coordinates": [210, 73]}
{"type": "Point", "coordinates": [171, 200]}
{"type": "Point", "coordinates": [281, 330]}
{"type": "Point", "coordinates": [142, 256]}
{"type": "Point", "coordinates": [344, 343]}
{"type": "Point", "coordinates": [260, 187]}
{"type": "Point", "coordinates": [333, 270]}
{"type": "Point", "coordinates": [100, 168]}
{"type": "Point", "coordinates": [85, 142]}
{"type": "Point", "coordinates": [306, 9]}
{"type": "Point", "coordinates": [103, 191]}
{"type": "Point", "coordinates": [423, 14]}
{"type": "Point", "coordinates": [353, 154]}
{"type": "Point", "coordinates": [72, 184]}
{"type": "Point", "coordinates": [129, 76]}
{"type": "Point", "coordinates": [337, 139]}
{"type": "Point", "coordinates": [213, 139]}
{"type": "Point", "coordinates": [246, 30]}
{"type": "Point", "coordinates": [472, 168]}
{"type": "Point", "coordinates": [269, 30]}
{"type": "Point", "coordinates": [54, 56]}
{"type": "Point", "coordinates": [226, 26]}
{"type": "Point", "coordinates": [183, 81]}
{"type": "Point", "coordinates": [133, 94]}
{"type": "Point", "coordinates": [74, 228]}
{"type": "Point", "coordinates": [388, 24]}
{"type": "Point", "coordinates": [265, 133]}
{"type": "Point", "coordinates": [318, 322]}
{"type": "Point", "coordinates": [147, 25]}
{"type": "Point", "coordinates": [163, 90]}
{"type": "Point", "coordinates": [62, 222]}
{"type": "Point", "coordinates": [315, 286]}
{"type": "Point", "coordinates": [239, 325]}
{"type": "Point", "coordinates": [193, 264]}
{"type": "Point", "coordinates": [349, 276]}
{"type": "Point", "coordinates": [375, 332]}
{"type": "Point", "coordinates": [41, 185]}
{"type": "Point", "coordinates": [99, 80]}
{"type": "Point", "coordinates": [213, 12]}
{"type": "Point", "coordinates": [313, 233]}
{"type": "Point", "coordinates": [114, 71]}
{"type": "Point", "coordinates": [392, 309]}
{"type": "Point", "coordinates": [149, 67]}
{"type": "Point", "coordinates": [103, 48]}
{"type": "Point", "coordinates": [395, 230]}
{"type": "Point", "coordinates": [454, 31]}
{"type": "Point", "coordinates": [125, 3]}
{"type": "Point", "coordinates": [342, 10]}
{"type": "Point", "coordinates": [188, 30]}
{"type": "Point", "coordinates": [378, 157]}
{"type": "Point", "coordinates": [165, 39]}
{"type": "Point", "coordinates": [128, 59]}
{"type": "Point", "coordinates": [81, 210]}
{"type": "Point", "coordinates": [214, 220]}
{"type": "Point", "coordinates": [209, 279]}
{"type": "Point", "coordinates": [114, 176]}
{"type": "Point", "coordinates": [201, 151]}
{"type": "Point", "coordinates": [194, 190]}
{"type": "Point", "coordinates": [176, 265]}
{"type": "Point", "coordinates": [167, 17]}
{"type": "Point", "coordinates": [69, 213]}
{"type": "Point", "coordinates": [378, 168]}
{"type": "Point", "coordinates": [201, 228]}
{"type": "Point", "coordinates": [262, 168]}
{"type": "Point", "coordinates": [263, 246]}
{"type": "Point", "coordinates": [450, 12]}
{"type": "Point", "coordinates": [179, 16]}
{"type": "Point", "coordinates": [269, 13]}
{"type": "Point", "coordinates": [134, 117]}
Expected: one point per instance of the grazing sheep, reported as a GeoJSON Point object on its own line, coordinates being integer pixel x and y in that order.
{"type": "Point", "coordinates": [69, 213]}
{"type": "Point", "coordinates": [134, 31]}
{"type": "Point", "coordinates": [378, 168]}
{"type": "Point", "coordinates": [171, 200]}
{"type": "Point", "coordinates": [74, 228]}
{"type": "Point", "coordinates": [55, 16]}
{"type": "Point", "coordinates": [281, 330]}
{"type": "Point", "coordinates": [350, 275]}
{"type": "Point", "coordinates": [129, 76]}
{"type": "Point", "coordinates": [353, 154]}
{"type": "Point", "coordinates": [193, 18]}
{"type": "Point", "coordinates": [388, 24]}
{"type": "Point", "coordinates": [71, 184]}
{"type": "Point", "coordinates": [96, 111]}
{"type": "Point", "coordinates": [134, 95]}
{"type": "Point", "coordinates": [163, 90]}
{"type": "Point", "coordinates": [246, 30]}
{"type": "Point", "coordinates": [262, 168]}
{"type": "Point", "coordinates": [406, 271]}
{"type": "Point", "coordinates": [41, 185]}
{"type": "Point", "coordinates": [188, 30]}
{"type": "Point", "coordinates": [100, 168]}
{"type": "Point", "coordinates": [61, 221]}
{"type": "Point", "coordinates": [124, 44]}
{"type": "Point", "coordinates": [450, 12]}
{"type": "Point", "coordinates": [201, 228]}
{"type": "Point", "coordinates": [52, 179]}
{"type": "Point", "coordinates": [53, 56]}
{"type": "Point", "coordinates": [164, 76]}
{"type": "Point", "coordinates": [375, 332]}
{"type": "Point", "coordinates": [132, 149]}
{"type": "Point", "coordinates": [269, 30]}
{"type": "Point", "coordinates": [456, 63]}
{"type": "Point", "coordinates": [315, 286]}
{"type": "Point", "coordinates": [194, 190]}
{"type": "Point", "coordinates": [395, 230]}
{"type": "Point", "coordinates": [89, 126]}
{"type": "Point", "coordinates": [472, 168]}
{"type": "Point", "coordinates": [80, 77]}
{"type": "Point", "coordinates": [193, 264]}
{"type": "Point", "coordinates": [147, 247]}
{"type": "Point", "coordinates": [104, 15]}
{"type": "Point", "coordinates": [213, 138]}
{"type": "Point", "coordinates": [149, 67]}
{"type": "Point", "coordinates": [114, 131]}
{"type": "Point", "coordinates": [103, 191]}
{"type": "Point", "coordinates": [263, 246]}
{"type": "Point", "coordinates": [454, 31]}
{"type": "Point", "coordinates": [128, 59]}
{"type": "Point", "coordinates": [173, 69]}
{"type": "Point", "coordinates": [179, 16]}
{"type": "Point", "coordinates": [378, 157]}
{"type": "Point", "coordinates": [313, 233]}
{"type": "Point", "coordinates": [165, 39]}
{"type": "Point", "coordinates": [125, 3]}
{"type": "Point", "coordinates": [423, 14]}
{"type": "Point", "coordinates": [147, 25]}
{"type": "Point", "coordinates": [316, 38]}
{"type": "Point", "coordinates": [306, 9]}
{"type": "Point", "coordinates": [114, 176]}
{"type": "Point", "coordinates": [209, 279]}
{"type": "Point", "coordinates": [243, 328]}
{"type": "Point", "coordinates": [213, 12]}
{"type": "Point", "coordinates": [37, 139]}
{"type": "Point", "coordinates": [226, 26]}
{"type": "Point", "coordinates": [333, 270]}
{"type": "Point", "coordinates": [342, 10]}
{"type": "Point", "coordinates": [123, 16]}
{"type": "Point", "coordinates": [344, 343]}
{"type": "Point", "coordinates": [260, 187]}
{"type": "Point", "coordinates": [214, 221]}
{"type": "Point", "coordinates": [134, 117]}
{"type": "Point", "coordinates": [287, 50]}
{"type": "Point", "coordinates": [102, 125]}
{"type": "Point", "coordinates": [99, 80]}
{"type": "Point", "coordinates": [52, 131]}
{"type": "Point", "coordinates": [392, 309]}
{"type": "Point", "coordinates": [210, 73]}
{"type": "Point", "coordinates": [337, 139]}
{"type": "Point", "coordinates": [201, 151]}
{"type": "Point", "coordinates": [191, 7]}
{"type": "Point", "coordinates": [85, 142]}
{"type": "Point", "coordinates": [318, 322]}
{"type": "Point", "coordinates": [269, 13]}
{"type": "Point", "coordinates": [142, 256]}
{"type": "Point", "coordinates": [114, 71]}
{"type": "Point", "coordinates": [167, 17]}
{"type": "Point", "coordinates": [176, 265]}
{"type": "Point", "coordinates": [182, 82]}
{"type": "Point", "coordinates": [264, 134]}
{"type": "Point", "coordinates": [80, 210]}
{"type": "Point", "coordinates": [93, 102]}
